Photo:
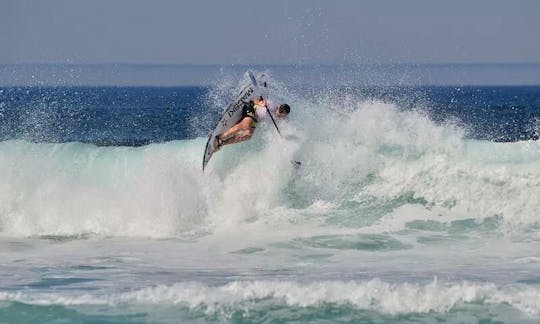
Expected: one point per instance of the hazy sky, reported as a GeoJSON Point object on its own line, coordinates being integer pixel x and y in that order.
{"type": "Point", "coordinates": [269, 32]}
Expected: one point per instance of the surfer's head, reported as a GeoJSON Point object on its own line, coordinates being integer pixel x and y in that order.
{"type": "Point", "coordinates": [283, 110]}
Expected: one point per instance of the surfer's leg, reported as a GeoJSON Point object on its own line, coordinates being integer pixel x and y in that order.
{"type": "Point", "coordinates": [241, 125]}
{"type": "Point", "coordinates": [240, 132]}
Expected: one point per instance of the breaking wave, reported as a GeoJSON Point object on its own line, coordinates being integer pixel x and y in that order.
{"type": "Point", "coordinates": [369, 165]}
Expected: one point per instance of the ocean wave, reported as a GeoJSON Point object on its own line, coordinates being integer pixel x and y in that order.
{"type": "Point", "coordinates": [375, 295]}
{"type": "Point", "coordinates": [370, 164]}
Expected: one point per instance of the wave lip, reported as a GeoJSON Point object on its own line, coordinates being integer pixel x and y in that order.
{"type": "Point", "coordinates": [373, 295]}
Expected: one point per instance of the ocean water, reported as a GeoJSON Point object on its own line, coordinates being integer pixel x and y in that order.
{"type": "Point", "coordinates": [413, 203]}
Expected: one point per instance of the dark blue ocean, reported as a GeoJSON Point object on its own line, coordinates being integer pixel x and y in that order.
{"type": "Point", "coordinates": [417, 198]}
{"type": "Point", "coordinates": [134, 116]}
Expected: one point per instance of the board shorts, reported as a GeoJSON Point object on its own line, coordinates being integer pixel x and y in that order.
{"type": "Point", "coordinates": [249, 111]}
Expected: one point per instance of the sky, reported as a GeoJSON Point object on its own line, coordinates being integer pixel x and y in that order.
{"type": "Point", "coordinates": [269, 32]}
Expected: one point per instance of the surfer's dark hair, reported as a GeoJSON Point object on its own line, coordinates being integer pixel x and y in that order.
{"type": "Point", "coordinates": [284, 109]}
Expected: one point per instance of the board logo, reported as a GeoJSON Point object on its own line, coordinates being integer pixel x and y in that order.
{"type": "Point", "coordinates": [240, 103]}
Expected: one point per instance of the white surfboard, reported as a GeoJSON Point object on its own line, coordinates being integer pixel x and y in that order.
{"type": "Point", "coordinates": [232, 114]}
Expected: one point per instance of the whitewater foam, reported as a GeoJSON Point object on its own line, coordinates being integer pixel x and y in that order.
{"type": "Point", "coordinates": [374, 295]}
{"type": "Point", "coordinates": [72, 189]}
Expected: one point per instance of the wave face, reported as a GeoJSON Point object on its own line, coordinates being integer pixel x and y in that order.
{"type": "Point", "coordinates": [76, 189]}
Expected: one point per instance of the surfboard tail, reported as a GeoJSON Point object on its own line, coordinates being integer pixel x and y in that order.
{"type": "Point", "coordinates": [208, 151]}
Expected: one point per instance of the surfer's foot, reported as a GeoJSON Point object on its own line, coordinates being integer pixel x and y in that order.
{"type": "Point", "coordinates": [218, 143]}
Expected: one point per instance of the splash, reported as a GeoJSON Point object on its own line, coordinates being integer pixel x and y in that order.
{"type": "Point", "coordinates": [365, 165]}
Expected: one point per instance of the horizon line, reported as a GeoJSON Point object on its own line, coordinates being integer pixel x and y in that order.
{"type": "Point", "coordinates": [268, 64]}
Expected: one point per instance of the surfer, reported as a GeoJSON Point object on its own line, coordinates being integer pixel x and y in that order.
{"type": "Point", "coordinates": [280, 111]}
{"type": "Point", "coordinates": [251, 113]}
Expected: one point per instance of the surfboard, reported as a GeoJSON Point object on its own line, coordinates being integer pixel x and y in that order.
{"type": "Point", "coordinates": [233, 113]}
